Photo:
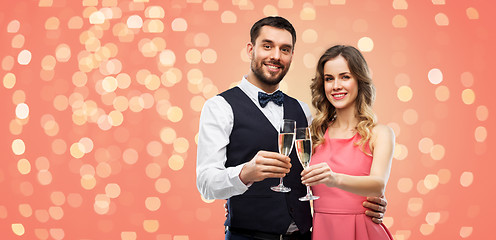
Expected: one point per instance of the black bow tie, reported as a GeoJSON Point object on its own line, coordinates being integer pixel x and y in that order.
{"type": "Point", "coordinates": [264, 98]}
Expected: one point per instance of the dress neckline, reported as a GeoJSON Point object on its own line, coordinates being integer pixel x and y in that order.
{"type": "Point", "coordinates": [339, 139]}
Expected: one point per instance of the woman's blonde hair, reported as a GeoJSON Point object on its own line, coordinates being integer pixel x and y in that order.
{"type": "Point", "coordinates": [326, 112]}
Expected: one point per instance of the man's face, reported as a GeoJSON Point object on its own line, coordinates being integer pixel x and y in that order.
{"type": "Point", "coordinates": [271, 55]}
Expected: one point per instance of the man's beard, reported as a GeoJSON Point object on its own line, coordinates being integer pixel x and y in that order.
{"type": "Point", "coordinates": [259, 73]}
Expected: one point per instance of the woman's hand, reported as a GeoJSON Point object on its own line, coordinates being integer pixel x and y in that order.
{"type": "Point", "coordinates": [317, 174]}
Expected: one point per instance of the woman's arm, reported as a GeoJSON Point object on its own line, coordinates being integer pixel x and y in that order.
{"type": "Point", "coordinates": [370, 186]}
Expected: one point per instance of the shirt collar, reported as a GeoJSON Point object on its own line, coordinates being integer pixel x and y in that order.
{"type": "Point", "coordinates": [250, 89]}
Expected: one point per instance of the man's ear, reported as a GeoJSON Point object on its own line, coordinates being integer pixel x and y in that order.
{"type": "Point", "coordinates": [249, 49]}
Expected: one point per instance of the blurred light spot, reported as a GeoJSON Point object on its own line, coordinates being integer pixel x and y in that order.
{"type": "Point", "coordinates": [109, 84]}
{"type": "Point", "coordinates": [365, 44]}
{"type": "Point", "coordinates": [201, 40]}
{"type": "Point", "coordinates": [45, 177]}
{"type": "Point", "coordinates": [102, 204]}
{"type": "Point", "coordinates": [8, 63]}
{"type": "Point", "coordinates": [56, 213]}
{"type": "Point", "coordinates": [400, 4]}
{"type": "Point", "coordinates": [435, 76]}
{"type": "Point", "coordinates": [52, 23]}
{"type": "Point", "coordinates": [433, 218]}
{"type": "Point", "coordinates": [130, 156]}
{"type": "Point", "coordinates": [466, 179]}
{"type": "Point", "coordinates": [309, 60]}
{"type": "Point", "coordinates": [57, 198]}
{"type": "Point", "coordinates": [338, 2]}
{"type": "Point", "coordinates": [176, 162]}
{"type": "Point", "coordinates": [42, 215]}
{"type": "Point", "coordinates": [405, 185]}
{"type": "Point", "coordinates": [24, 57]}
{"type": "Point", "coordinates": [63, 53]}
{"type": "Point", "coordinates": [97, 18]}
{"type": "Point", "coordinates": [410, 116]}
{"type": "Point", "coordinates": [207, 200]}
{"type": "Point", "coordinates": [310, 36]}
{"type": "Point", "coordinates": [210, 5]}
{"type": "Point", "coordinates": [203, 214]}
{"type": "Point", "coordinates": [9, 80]}
{"type": "Point", "coordinates": [134, 21]}
{"type": "Point", "coordinates": [442, 93]}
{"type": "Point", "coordinates": [228, 17]}
{"type": "Point", "coordinates": [42, 163]}
{"type": "Point", "coordinates": [415, 206]}
{"type": "Point", "coordinates": [152, 203]}
{"type": "Point", "coordinates": [150, 226]}
{"type": "Point", "coordinates": [75, 22]}
{"type": "Point", "coordinates": [426, 229]}
{"type": "Point", "coordinates": [400, 151]}
{"type": "Point", "coordinates": [13, 26]}
{"type": "Point", "coordinates": [18, 147]}
{"type": "Point", "coordinates": [438, 2]}
{"type": "Point", "coordinates": [74, 200]}
{"type": "Point", "coordinates": [88, 182]}
{"type": "Point", "coordinates": [112, 190]}
{"type": "Point", "coordinates": [404, 93]}
{"type": "Point", "coordinates": [103, 170]}
{"type": "Point", "coordinates": [128, 236]}
{"type": "Point", "coordinates": [26, 188]}
{"type": "Point", "coordinates": [167, 135]}
{"type": "Point", "coordinates": [425, 145]}
{"type": "Point", "coordinates": [153, 170]}
{"type": "Point", "coordinates": [285, 4]}
{"type": "Point", "coordinates": [482, 113]}
{"type": "Point", "coordinates": [307, 13]}
{"type": "Point", "coordinates": [167, 58]}
{"type": "Point", "coordinates": [444, 176]}
{"type": "Point", "coordinates": [175, 114]}
{"type": "Point", "coordinates": [162, 185]}
{"type": "Point", "coordinates": [48, 62]}
{"type": "Point", "coordinates": [154, 12]}
{"type": "Point", "coordinates": [480, 134]}
{"type": "Point", "coordinates": [23, 166]}
{"type": "Point", "coordinates": [196, 103]}
{"type": "Point", "coordinates": [25, 210]}
{"type": "Point", "coordinates": [195, 76]}
{"type": "Point", "coordinates": [209, 56]}
{"type": "Point", "coordinates": [399, 21]}
{"type": "Point", "coordinates": [181, 145]}
{"type": "Point", "coordinates": [76, 150]}
{"type": "Point", "coordinates": [153, 26]}
{"type": "Point", "coordinates": [388, 221]}
{"type": "Point", "coordinates": [431, 181]}
{"type": "Point", "coordinates": [465, 232]}
{"type": "Point", "coordinates": [18, 41]}
{"type": "Point", "coordinates": [472, 13]}
{"type": "Point", "coordinates": [437, 152]}
{"type": "Point", "coordinates": [468, 96]}
{"type": "Point", "coordinates": [270, 10]}
{"type": "Point", "coordinates": [86, 145]}
{"type": "Point", "coordinates": [360, 26]}
{"type": "Point", "coordinates": [18, 229]}
{"type": "Point", "coordinates": [193, 56]}
{"type": "Point", "coordinates": [59, 146]}
{"type": "Point", "coordinates": [19, 97]}
{"type": "Point", "coordinates": [179, 25]}
{"type": "Point", "coordinates": [441, 19]}
{"type": "Point", "coordinates": [22, 111]}
{"type": "Point", "coordinates": [115, 118]}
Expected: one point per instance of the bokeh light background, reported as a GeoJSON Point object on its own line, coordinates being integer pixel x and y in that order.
{"type": "Point", "coordinates": [100, 102]}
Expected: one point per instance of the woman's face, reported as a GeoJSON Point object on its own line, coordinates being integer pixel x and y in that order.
{"type": "Point", "coordinates": [341, 87]}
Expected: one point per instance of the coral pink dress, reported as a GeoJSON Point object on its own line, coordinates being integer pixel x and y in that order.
{"type": "Point", "coordinates": [339, 215]}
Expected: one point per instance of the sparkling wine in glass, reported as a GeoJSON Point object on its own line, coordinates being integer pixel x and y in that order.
{"type": "Point", "coordinates": [303, 144]}
{"type": "Point", "coordinates": [286, 142]}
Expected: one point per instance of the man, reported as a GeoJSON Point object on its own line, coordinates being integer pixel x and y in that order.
{"type": "Point", "coordinates": [238, 155]}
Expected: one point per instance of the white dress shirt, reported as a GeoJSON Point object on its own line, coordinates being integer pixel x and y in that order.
{"type": "Point", "coordinates": [213, 179]}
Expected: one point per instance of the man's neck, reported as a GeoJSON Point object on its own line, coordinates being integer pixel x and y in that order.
{"type": "Point", "coordinates": [265, 87]}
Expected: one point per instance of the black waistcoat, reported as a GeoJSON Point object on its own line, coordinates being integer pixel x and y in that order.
{"type": "Point", "coordinates": [260, 208]}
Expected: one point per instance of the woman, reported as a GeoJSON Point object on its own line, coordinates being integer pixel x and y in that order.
{"type": "Point", "coordinates": [353, 153]}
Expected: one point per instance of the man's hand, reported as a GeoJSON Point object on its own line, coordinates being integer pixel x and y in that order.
{"type": "Point", "coordinates": [265, 165]}
{"type": "Point", "coordinates": [377, 208]}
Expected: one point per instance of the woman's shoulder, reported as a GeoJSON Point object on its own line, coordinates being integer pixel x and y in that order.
{"type": "Point", "coordinates": [380, 131]}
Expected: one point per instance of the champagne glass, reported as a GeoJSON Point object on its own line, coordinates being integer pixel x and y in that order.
{"type": "Point", "coordinates": [286, 141]}
{"type": "Point", "coordinates": [303, 144]}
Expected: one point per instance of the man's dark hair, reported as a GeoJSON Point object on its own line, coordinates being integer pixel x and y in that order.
{"type": "Point", "coordinates": [277, 22]}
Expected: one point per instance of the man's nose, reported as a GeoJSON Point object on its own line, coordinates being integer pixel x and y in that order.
{"type": "Point", "coordinates": [276, 54]}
